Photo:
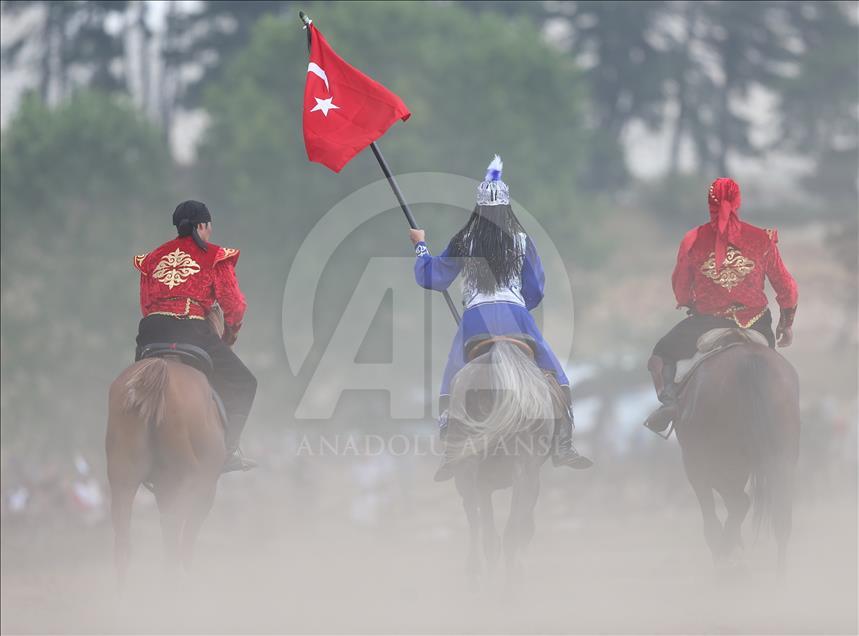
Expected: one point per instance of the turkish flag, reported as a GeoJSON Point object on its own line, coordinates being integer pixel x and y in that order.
{"type": "Point", "coordinates": [344, 110]}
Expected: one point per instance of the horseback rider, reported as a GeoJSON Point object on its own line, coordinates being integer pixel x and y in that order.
{"type": "Point", "coordinates": [503, 281]}
{"type": "Point", "coordinates": [179, 283]}
{"type": "Point", "coordinates": [719, 278]}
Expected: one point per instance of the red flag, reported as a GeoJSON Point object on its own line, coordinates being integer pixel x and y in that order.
{"type": "Point", "coordinates": [344, 110]}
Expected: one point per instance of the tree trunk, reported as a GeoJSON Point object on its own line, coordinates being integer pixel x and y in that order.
{"type": "Point", "coordinates": [62, 52]}
{"type": "Point", "coordinates": [46, 64]}
{"type": "Point", "coordinates": [145, 40]}
{"type": "Point", "coordinates": [724, 113]}
{"type": "Point", "coordinates": [682, 91]}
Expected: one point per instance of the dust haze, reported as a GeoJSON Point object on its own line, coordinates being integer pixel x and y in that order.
{"type": "Point", "coordinates": [340, 544]}
{"type": "Point", "coordinates": [612, 119]}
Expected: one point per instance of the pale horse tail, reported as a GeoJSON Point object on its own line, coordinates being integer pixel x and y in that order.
{"type": "Point", "coordinates": [499, 395]}
{"type": "Point", "coordinates": [146, 391]}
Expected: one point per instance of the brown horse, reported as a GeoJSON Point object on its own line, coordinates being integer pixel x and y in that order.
{"type": "Point", "coordinates": [739, 422]}
{"type": "Point", "coordinates": [163, 427]}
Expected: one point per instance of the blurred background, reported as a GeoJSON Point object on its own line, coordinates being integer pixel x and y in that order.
{"type": "Point", "coordinates": [612, 119]}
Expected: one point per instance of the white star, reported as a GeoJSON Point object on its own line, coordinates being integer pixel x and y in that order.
{"type": "Point", "coordinates": [324, 105]}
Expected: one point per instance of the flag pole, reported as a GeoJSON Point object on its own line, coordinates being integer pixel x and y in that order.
{"type": "Point", "coordinates": [407, 211]}
{"type": "Point", "coordinates": [386, 170]}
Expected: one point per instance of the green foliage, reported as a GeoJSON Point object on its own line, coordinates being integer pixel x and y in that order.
{"type": "Point", "coordinates": [80, 184]}
{"type": "Point", "coordinates": [818, 106]}
{"type": "Point", "coordinates": [91, 148]}
{"type": "Point", "coordinates": [499, 89]}
{"type": "Point", "coordinates": [623, 65]}
{"type": "Point", "coordinates": [678, 200]}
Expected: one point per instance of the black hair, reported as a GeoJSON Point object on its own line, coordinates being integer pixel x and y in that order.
{"type": "Point", "coordinates": [491, 235]}
{"type": "Point", "coordinates": [187, 216]}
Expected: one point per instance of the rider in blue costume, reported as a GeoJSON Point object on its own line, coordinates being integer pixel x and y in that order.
{"type": "Point", "coordinates": [503, 281]}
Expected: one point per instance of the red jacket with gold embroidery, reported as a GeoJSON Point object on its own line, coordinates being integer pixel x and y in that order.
{"type": "Point", "coordinates": [736, 289]}
{"type": "Point", "coordinates": [179, 279]}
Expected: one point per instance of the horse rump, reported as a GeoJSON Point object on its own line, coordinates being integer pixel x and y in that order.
{"type": "Point", "coordinates": [501, 397]}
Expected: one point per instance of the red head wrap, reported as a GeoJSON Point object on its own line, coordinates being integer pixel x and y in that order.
{"type": "Point", "coordinates": [724, 201]}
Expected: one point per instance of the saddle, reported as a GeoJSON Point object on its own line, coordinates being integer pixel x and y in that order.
{"type": "Point", "coordinates": [713, 342]}
{"type": "Point", "coordinates": [483, 342]}
{"type": "Point", "coordinates": [191, 355]}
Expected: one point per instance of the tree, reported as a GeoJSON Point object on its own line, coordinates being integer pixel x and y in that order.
{"type": "Point", "coordinates": [529, 105]}
{"type": "Point", "coordinates": [79, 184]}
{"type": "Point", "coordinates": [69, 46]}
{"type": "Point", "coordinates": [621, 47]}
{"type": "Point", "coordinates": [818, 104]}
{"type": "Point", "coordinates": [204, 39]}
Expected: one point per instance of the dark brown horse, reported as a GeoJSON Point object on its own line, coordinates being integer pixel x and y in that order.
{"type": "Point", "coordinates": [164, 427]}
{"type": "Point", "coordinates": [502, 411]}
{"type": "Point", "coordinates": [739, 423]}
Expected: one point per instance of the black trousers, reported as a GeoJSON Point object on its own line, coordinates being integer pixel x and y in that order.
{"type": "Point", "coordinates": [681, 342]}
{"type": "Point", "coordinates": [233, 381]}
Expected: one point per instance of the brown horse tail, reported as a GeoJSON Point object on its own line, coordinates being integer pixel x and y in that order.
{"type": "Point", "coordinates": [145, 390]}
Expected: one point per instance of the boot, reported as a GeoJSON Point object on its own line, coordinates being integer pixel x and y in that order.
{"type": "Point", "coordinates": [563, 451]}
{"type": "Point", "coordinates": [452, 435]}
{"type": "Point", "coordinates": [665, 414]}
{"type": "Point", "coordinates": [235, 458]}
{"type": "Point", "coordinates": [443, 403]}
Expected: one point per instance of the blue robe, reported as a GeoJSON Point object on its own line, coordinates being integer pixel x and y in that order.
{"type": "Point", "coordinates": [499, 318]}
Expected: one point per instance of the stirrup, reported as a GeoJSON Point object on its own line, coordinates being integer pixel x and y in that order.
{"type": "Point", "coordinates": [661, 421]}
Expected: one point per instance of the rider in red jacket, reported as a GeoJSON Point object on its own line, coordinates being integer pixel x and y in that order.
{"type": "Point", "coordinates": [179, 283]}
{"type": "Point", "coordinates": [719, 278]}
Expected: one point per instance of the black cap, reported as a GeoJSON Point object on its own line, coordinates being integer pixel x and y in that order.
{"type": "Point", "coordinates": [194, 211]}
{"type": "Point", "coordinates": [187, 216]}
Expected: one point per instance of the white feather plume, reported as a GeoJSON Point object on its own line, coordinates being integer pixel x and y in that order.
{"type": "Point", "coordinates": [493, 171]}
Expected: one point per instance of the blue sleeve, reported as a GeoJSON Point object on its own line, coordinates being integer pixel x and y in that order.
{"type": "Point", "coordinates": [533, 276]}
{"type": "Point", "coordinates": [435, 272]}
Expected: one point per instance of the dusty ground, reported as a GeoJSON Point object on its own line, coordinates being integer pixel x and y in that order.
{"type": "Point", "coordinates": [285, 560]}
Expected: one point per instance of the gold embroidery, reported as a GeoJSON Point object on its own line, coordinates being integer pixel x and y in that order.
{"type": "Point", "coordinates": [225, 253]}
{"type": "Point", "coordinates": [733, 271]}
{"type": "Point", "coordinates": [732, 314]}
{"type": "Point", "coordinates": [187, 313]}
{"type": "Point", "coordinates": [175, 315]}
{"type": "Point", "coordinates": [138, 262]}
{"type": "Point", "coordinates": [175, 268]}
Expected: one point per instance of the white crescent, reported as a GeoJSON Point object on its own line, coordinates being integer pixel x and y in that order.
{"type": "Point", "coordinates": [317, 70]}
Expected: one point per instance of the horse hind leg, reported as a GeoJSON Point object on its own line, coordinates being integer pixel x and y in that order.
{"type": "Point", "coordinates": [520, 525]}
{"type": "Point", "coordinates": [128, 462]}
{"type": "Point", "coordinates": [198, 505]}
{"type": "Point", "coordinates": [467, 486]}
{"type": "Point", "coordinates": [782, 514]}
{"type": "Point", "coordinates": [712, 525]}
{"type": "Point", "coordinates": [170, 508]}
{"type": "Point", "coordinates": [737, 503]}
{"type": "Point", "coordinates": [488, 531]}
{"type": "Point", "coordinates": [472, 513]}
{"type": "Point", "coordinates": [121, 503]}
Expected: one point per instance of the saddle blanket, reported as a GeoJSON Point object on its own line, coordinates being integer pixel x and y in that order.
{"type": "Point", "coordinates": [710, 343]}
